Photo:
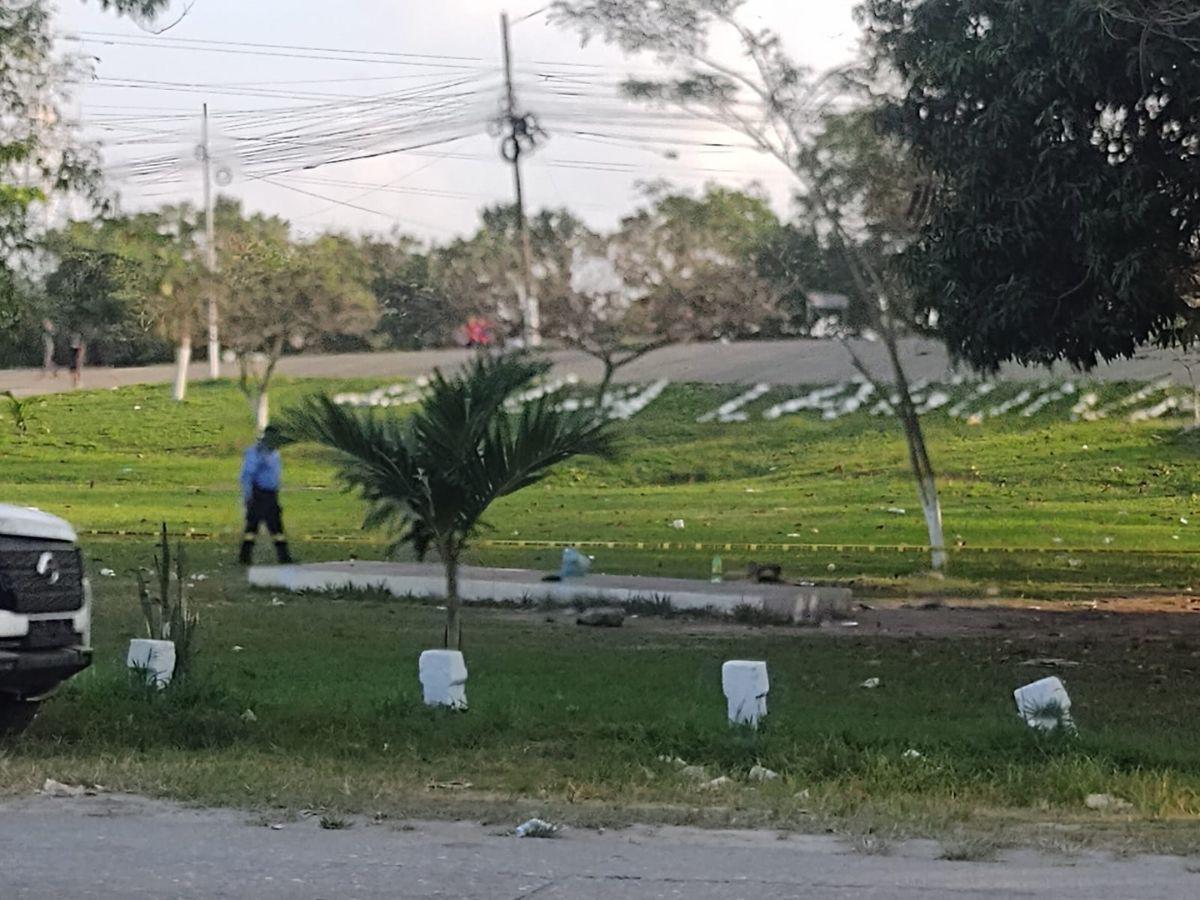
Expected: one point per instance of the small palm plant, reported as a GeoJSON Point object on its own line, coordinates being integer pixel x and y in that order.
{"type": "Point", "coordinates": [167, 616]}
{"type": "Point", "coordinates": [434, 474]}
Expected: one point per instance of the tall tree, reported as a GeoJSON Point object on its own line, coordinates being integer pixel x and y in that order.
{"type": "Point", "coordinates": [691, 259]}
{"type": "Point", "coordinates": [1064, 145]}
{"type": "Point", "coordinates": [414, 309]}
{"type": "Point", "coordinates": [278, 295]}
{"type": "Point", "coordinates": [40, 155]}
{"type": "Point", "coordinates": [482, 274]}
{"type": "Point", "coordinates": [166, 277]}
{"type": "Point", "coordinates": [778, 104]}
{"type": "Point", "coordinates": [85, 288]}
{"type": "Point", "coordinates": [600, 314]}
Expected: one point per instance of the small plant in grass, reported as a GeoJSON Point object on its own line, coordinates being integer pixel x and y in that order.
{"type": "Point", "coordinates": [334, 823]}
{"type": "Point", "coordinates": [166, 615]}
{"type": "Point", "coordinates": [18, 410]}
{"type": "Point", "coordinates": [434, 474]}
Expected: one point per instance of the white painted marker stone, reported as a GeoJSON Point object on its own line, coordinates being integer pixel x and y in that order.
{"type": "Point", "coordinates": [444, 678]}
{"type": "Point", "coordinates": [746, 686]}
{"type": "Point", "coordinates": [1044, 704]}
{"type": "Point", "coordinates": [155, 658]}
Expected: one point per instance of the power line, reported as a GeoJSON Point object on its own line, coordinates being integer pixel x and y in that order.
{"type": "Point", "coordinates": [225, 43]}
{"type": "Point", "coordinates": [337, 202]}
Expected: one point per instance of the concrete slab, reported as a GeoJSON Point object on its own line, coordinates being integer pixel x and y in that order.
{"type": "Point", "coordinates": [794, 603]}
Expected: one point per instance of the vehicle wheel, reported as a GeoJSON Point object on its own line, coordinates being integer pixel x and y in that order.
{"type": "Point", "coordinates": [16, 715]}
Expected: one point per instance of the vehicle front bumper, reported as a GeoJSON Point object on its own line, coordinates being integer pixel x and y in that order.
{"type": "Point", "coordinates": [33, 673]}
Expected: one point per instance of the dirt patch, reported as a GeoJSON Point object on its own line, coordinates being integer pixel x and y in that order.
{"type": "Point", "coordinates": [1130, 620]}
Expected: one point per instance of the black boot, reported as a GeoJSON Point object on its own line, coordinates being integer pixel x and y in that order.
{"type": "Point", "coordinates": [283, 554]}
{"type": "Point", "coordinates": [246, 557]}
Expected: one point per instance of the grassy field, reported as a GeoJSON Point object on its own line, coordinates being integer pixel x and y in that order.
{"type": "Point", "coordinates": [312, 702]}
{"type": "Point", "coordinates": [1035, 506]}
{"type": "Point", "coordinates": [572, 722]}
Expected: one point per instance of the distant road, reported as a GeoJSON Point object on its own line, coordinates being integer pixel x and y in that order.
{"type": "Point", "coordinates": [745, 362]}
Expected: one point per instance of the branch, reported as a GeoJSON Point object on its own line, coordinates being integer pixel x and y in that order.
{"type": "Point", "coordinates": [641, 351]}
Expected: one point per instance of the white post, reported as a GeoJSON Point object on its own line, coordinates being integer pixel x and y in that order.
{"type": "Point", "coordinates": [443, 675]}
{"type": "Point", "coordinates": [183, 358]}
{"type": "Point", "coordinates": [932, 509]}
{"type": "Point", "coordinates": [262, 411]}
{"type": "Point", "coordinates": [154, 658]}
{"type": "Point", "coordinates": [746, 687]}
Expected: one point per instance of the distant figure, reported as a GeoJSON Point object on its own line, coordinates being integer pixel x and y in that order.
{"type": "Point", "coordinates": [480, 332]}
{"type": "Point", "coordinates": [48, 366]}
{"type": "Point", "coordinates": [78, 352]}
{"type": "Point", "coordinates": [262, 471]}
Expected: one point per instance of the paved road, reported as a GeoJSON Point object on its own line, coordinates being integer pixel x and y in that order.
{"type": "Point", "coordinates": [778, 362]}
{"type": "Point", "coordinates": [126, 848]}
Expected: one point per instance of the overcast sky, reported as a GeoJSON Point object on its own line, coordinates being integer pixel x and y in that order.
{"type": "Point", "coordinates": [424, 74]}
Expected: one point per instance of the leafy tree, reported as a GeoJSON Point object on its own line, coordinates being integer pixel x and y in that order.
{"type": "Point", "coordinates": [780, 107]}
{"type": "Point", "coordinates": [482, 274]}
{"type": "Point", "coordinates": [433, 475]}
{"type": "Point", "coordinates": [691, 261]}
{"type": "Point", "coordinates": [39, 156]}
{"type": "Point", "coordinates": [278, 294]}
{"type": "Point", "coordinates": [414, 309]}
{"type": "Point", "coordinates": [166, 277]}
{"type": "Point", "coordinates": [600, 315]}
{"type": "Point", "coordinates": [1063, 141]}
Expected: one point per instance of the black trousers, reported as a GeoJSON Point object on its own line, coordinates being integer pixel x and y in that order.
{"type": "Point", "coordinates": [263, 509]}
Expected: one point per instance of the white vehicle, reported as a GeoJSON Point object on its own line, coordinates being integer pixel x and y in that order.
{"type": "Point", "coordinates": [45, 611]}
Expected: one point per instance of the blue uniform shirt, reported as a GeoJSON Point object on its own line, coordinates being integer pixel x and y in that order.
{"type": "Point", "coordinates": [261, 468]}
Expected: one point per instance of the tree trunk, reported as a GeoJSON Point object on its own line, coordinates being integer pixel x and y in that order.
{"type": "Point", "coordinates": [78, 360]}
{"type": "Point", "coordinates": [918, 456]}
{"type": "Point", "coordinates": [453, 639]}
{"type": "Point", "coordinates": [605, 382]}
{"type": "Point", "coordinates": [183, 358]}
{"type": "Point", "coordinates": [262, 409]}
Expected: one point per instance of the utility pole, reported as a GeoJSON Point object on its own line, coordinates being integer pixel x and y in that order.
{"type": "Point", "coordinates": [210, 251]}
{"type": "Point", "coordinates": [520, 135]}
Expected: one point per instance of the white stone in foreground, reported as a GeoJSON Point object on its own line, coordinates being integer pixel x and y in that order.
{"type": "Point", "coordinates": [443, 676]}
{"type": "Point", "coordinates": [155, 658]}
{"type": "Point", "coordinates": [746, 687]}
{"type": "Point", "coordinates": [1044, 704]}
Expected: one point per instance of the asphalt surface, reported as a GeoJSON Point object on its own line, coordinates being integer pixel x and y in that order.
{"type": "Point", "coordinates": [128, 848]}
{"type": "Point", "coordinates": [778, 362]}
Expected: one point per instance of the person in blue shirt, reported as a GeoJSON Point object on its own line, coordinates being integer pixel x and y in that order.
{"type": "Point", "coordinates": [262, 472]}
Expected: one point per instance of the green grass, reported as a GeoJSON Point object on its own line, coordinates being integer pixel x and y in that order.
{"type": "Point", "coordinates": [1038, 506]}
{"type": "Point", "coordinates": [573, 720]}
{"type": "Point", "coordinates": [570, 722]}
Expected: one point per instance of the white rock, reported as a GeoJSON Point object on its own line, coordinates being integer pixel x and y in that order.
{"type": "Point", "coordinates": [443, 676]}
{"type": "Point", "coordinates": [871, 683]}
{"type": "Point", "coordinates": [717, 783]}
{"type": "Point", "coordinates": [1044, 704]}
{"type": "Point", "coordinates": [678, 524]}
{"type": "Point", "coordinates": [108, 573]}
{"type": "Point", "coordinates": [746, 687]}
{"type": "Point", "coordinates": [536, 828]}
{"type": "Point", "coordinates": [911, 754]}
{"type": "Point", "coordinates": [53, 788]}
{"type": "Point", "coordinates": [762, 773]}
{"type": "Point", "coordinates": [1106, 801]}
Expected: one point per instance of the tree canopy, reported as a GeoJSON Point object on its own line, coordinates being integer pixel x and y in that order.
{"type": "Point", "coordinates": [1063, 146]}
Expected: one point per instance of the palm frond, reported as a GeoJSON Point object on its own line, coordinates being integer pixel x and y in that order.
{"type": "Point", "coordinates": [434, 475]}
